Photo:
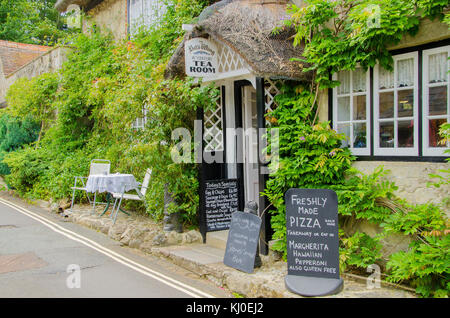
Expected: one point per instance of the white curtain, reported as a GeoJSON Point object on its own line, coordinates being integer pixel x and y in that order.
{"type": "Point", "coordinates": [344, 78]}
{"type": "Point", "coordinates": [359, 80]}
{"type": "Point", "coordinates": [437, 67]}
{"type": "Point", "coordinates": [386, 78]}
{"type": "Point", "coordinates": [405, 72]}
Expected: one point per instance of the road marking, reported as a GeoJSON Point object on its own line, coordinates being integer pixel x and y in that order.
{"type": "Point", "coordinates": [191, 291]}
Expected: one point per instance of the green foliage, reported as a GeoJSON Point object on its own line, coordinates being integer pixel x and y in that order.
{"type": "Point", "coordinates": [426, 265]}
{"type": "Point", "coordinates": [99, 92]}
{"type": "Point", "coordinates": [310, 154]}
{"type": "Point", "coordinates": [34, 98]}
{"type": "Point", "coordinates": [341, 34]}
{"type": "Point", "coordinates": [27, 166]}
{"type": "Point", "coordinates": [418, 219]}
{"type": "Point", "coordinates": [13, 134]}
{"type": "Point", "coordinates": [164, 35]}
{"type": "Point", "coordinates": [358, 250]}
{"type": "Point", "coordinates": [360, 196]}
{"type": "Point", "coordinates": [31, 21]}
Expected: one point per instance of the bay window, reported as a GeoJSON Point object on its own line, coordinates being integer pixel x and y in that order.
{"type": "Point", "coordinates": [409, 105]}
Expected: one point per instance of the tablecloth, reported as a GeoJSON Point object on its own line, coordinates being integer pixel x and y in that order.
{"type": "Point", "coordinates": [113, 183]}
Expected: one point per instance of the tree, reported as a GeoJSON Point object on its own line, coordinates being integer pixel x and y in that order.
{"type": "Point", "coordinates": [31, 21]}
{"type": "Point", "coordinates": [34, 98]}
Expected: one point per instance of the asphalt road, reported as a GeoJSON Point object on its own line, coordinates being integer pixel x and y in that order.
{"type": "Point", "coordinates": [42, 255]}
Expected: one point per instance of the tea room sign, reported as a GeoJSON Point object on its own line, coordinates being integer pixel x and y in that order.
{"type": "Point", "coordinates": [201, 58]}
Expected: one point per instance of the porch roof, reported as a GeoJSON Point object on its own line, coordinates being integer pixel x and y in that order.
{"type": "Point", "coordinates": [246, 27]}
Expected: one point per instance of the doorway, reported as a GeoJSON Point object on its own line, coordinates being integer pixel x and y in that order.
{"type": "Point", "coordinates": [250, 144]}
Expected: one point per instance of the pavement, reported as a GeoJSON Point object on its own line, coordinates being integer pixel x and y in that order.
{"type": "Point", "coordinates": [206, 260]}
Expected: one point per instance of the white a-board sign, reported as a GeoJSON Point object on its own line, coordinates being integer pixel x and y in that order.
{"type": "Point", "coordinates": [200, 58]}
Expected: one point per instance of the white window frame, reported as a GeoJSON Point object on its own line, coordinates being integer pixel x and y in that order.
{"type": "Point", "coordinates": [356, 151]}
{"type": "Point", "coordinates": [396, 151]}
{"type": "Point", "coordinates": [427, 150]}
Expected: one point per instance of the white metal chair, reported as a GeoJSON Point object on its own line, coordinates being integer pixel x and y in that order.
{"type": "Point", "coordinates": [140, 196]}
{"type": "Point", "coordinates": [97, 166]}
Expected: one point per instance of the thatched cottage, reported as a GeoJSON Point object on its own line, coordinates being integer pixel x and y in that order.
{"type": "Point", "coordinates": [390, 119]}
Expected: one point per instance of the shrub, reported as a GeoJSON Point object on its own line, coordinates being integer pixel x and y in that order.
{"type": "Point", "coordinates": [14, 133]}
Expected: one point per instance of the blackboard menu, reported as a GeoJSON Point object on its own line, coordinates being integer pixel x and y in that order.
{"type": "Point", "coordinates": [221, 199]}
{"type": "Point", "coordinates": [242, 241]}
{"type": "Point", "coordinates": [312, 233]}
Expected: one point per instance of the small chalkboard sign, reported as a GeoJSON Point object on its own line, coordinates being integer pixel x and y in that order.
{"type": "Point", "coordinates": [312, 242]}
{"type": "Point", "coordinates": [221, 199]}
{"type": "Point", "coordinates": [242, 242]}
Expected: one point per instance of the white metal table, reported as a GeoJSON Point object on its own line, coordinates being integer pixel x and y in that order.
{"type": "Point", "coordinates": [110, 183]}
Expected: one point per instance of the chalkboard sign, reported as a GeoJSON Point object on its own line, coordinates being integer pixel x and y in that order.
{"type": "Point", "coordinates": [312, 237]}
{"type": "Point", "coordinates": [242, 241]}
{"type": "Point", "coordinates": [221, 199]}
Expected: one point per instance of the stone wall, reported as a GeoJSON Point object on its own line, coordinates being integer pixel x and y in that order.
{"type": "Point", "coordinates": [411, 179]}
{"type": "Point", "coordinates": [429, 31]}
{"type": "Point", "coordinates": [48, 62]}
{"type": "Point", "coordinates": [110, 15]}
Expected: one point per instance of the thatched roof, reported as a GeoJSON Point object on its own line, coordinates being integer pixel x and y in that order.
{"type": "Point", "coordinates": [247, 28]}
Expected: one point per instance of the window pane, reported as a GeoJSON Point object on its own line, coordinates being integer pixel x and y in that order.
{"type": "Point", "coordinates": [405, 103]}
{"type": "Point", "coordinates": [433, 132]}
{"type": "Point", "coordinates": [437, 68]}
{"type": "Point", "coordinates": [437, 100]}
{"type": "Point", "coordinates": [343, 108]}
{"type": "Point", "coordinates": [405, 73]}
{"type": "Point", "coordinates": [359, 107]}
{"type": "Point", "coordinates": [387, 105]}
{"type": "Point", "coordinates": [344, 129]}
{"type": "Point", "coordinates": [359, 80]}
{"type": "Point", "coordinates": [405, 134]}
{"type": "Point", "coordinates": [359, 135]}
{"type": "Point", "coordinates": [386, 79]}
{"type": "Point", "coordinates": [344, 78]}
{"type": "Point", "coordinates": [387, 135]}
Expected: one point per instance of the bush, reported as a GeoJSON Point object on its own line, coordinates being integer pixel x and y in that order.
{"type": "Point", "coordinates": [14, 133]}
{"type": "Point", "coordinates": [426, 266]}
{"type": "Point", "coordinates": [99, 92]}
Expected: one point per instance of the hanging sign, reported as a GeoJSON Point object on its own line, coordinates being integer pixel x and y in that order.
{"type": "Point", "coordinates": [312, 242]}
{"type": "Point", "coordinates": [200, 58]}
